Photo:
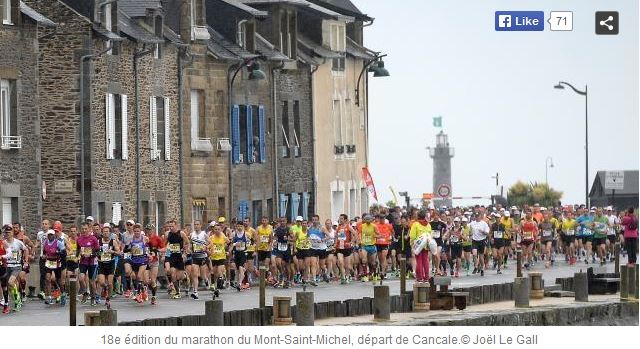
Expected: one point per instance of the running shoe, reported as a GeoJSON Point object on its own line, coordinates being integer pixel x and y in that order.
{"type": "Point", "coordinates": [313, 282]}
{"type": "Point", "coordinates": [154, 301]}
{"type": "Point", "coordinates": [84, 298]}
{"type": "Point", "coordinates": [93, 301]}
{"type": "Point", "coordinates": [481, 272]}
{"type": "Point", "coordinates": [364, 278]}
{"type": "Point", "coordinates": [139, 298]}
{"type": "Point", "coordinates": [499, 271]}
{"type": "Point", "coordinates": [456, 274]}
{"type": "Point", "coordinates": [194, 295]}
{"type": "Point", "coordinates": [107, 303]}
{"type": "Point", "coordinates": [41, 295]}
{"type": "Point", "coordinates": [127, 294]}
{"type": "Point", "coordinates": [104, 292]}
{"type": "Point", "coordinates": [145, 295]}
{"type": "Point", "coordinates": [245, 286]}
{"type": "Point", "coordinates": [5, 309]}
{"type": "Point", "coordinates": [49, 301]}
{"type": "Point", "coordinates": [216, 293]}
{"type": "Point", "coordinates": [177, 296]}
{"type": "Point", "coordinates": [98, 299]}
{"type": "Point", "coordinates": [56, 293]}
{"type": "Point", "coordinates": [475, 271]}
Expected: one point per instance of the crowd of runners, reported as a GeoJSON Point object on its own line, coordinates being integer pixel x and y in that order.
{"type": "Point", "coordinates": [130, 260]}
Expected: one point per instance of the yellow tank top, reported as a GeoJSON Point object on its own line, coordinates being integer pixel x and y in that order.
{"type": "Point", "coordinates": [302, 238]}
{"type": "Point", "coordinates": [466, 231]}
{"type": "Point", "coordinates": [264, 234]}
{"type": "Point", "coordinates": [251, 235]}
{"type": "Point", "coordinates": [73, 251]}
{"type": "Point", "coordinates": [368, 234]}
{"type": "Point", "coordinates": [216, 248]}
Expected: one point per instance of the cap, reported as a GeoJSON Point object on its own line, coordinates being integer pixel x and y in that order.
{"type": "Point", "coordinates": [57, 227]}
{"type": "Point", "coordinates": [90, 218]}
{"type": "Point", "coordinates": [543, 208]}
{"type": "Point", "coordinates": [149, 227]}
{"type": "Point", "coordinates": [221, 219]}
{"type": "Point", "coordinates": [507, 214]}
{"type": "Point", "coordinates": [50, 231]}
{"type": "Point", "coordinates": [502, 209]}
{"type": "Point", "coordinates": [131, 222]}
{"type": "Point", "coordinates": [536, 205]}
{"type": "Point", "coordinates": [457, 219]}
{"type": "Point", "coordinates": [465, 219]}
{"type": "Point", "coordinates": [368, 217]}
{"type": "Point", "coordinates": [334, 223]}
{"type": "Point", "coordinates": [7, 228]}
{"type": "Point", "coordinates": [137, 225]}
{"type": "Point", "coordinates": [212, 224]}
{"type": "Point", "coordinates": [299, 219]}
{"type": "Point", "coordinates": [446, 212]}
{"type": "Point", "coordinates": [609, 208]}
{"type": "Point", "coordinates": [514, 207]}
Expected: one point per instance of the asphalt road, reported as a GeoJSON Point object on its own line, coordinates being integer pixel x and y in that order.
{"type": "Point", "coordinates": [35, 312]}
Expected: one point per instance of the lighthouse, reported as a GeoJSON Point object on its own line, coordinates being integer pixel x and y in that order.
{"type": "Point", "coordinates": [441, 155]}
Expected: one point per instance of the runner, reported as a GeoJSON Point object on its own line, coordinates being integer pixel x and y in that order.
{"type": "Point", "coordinates": [548, 229]}
{"type": "Point", "coordinates": [199, 268]}
{"type": "Point", "coordinates": [238, 248]}
{"type": "Point", "coordinates": [329, 231]}
{"type": "Point", "coordinates": [568, 229]}
{"type": "Point", "coordinates": [467, 244]}
{"type": "Point", "coordinates": [89, 247]}
{"type": "Point", "coordinates": [303, 252]}
{"type": "Point", "coordinates": [265, 241]}
{"type": "Point", "coordinates": [600, 229]}
{"type": "Point", "coordinates": [455, 241]}
{"type": "Point", "coordinates": [529, 232]}
{"type": "Point", "coordinates": [40, 237]}
{"type": "Point", "coordinates": [217, 254]}
{"type": "Point", "coordinates": [585, 226]}
{"type": "Point", "coordinates": [283, 253]}
{"type": "Point", "coordinates": [251, 249]}
{"type": "Point", "coordinates": [178, 248]}
{"type": "Point", "coordinates": [53, 250]}
{"type": "Point", "coordinates": [438, 229]}
{"type": "Point", "coordinates": [19, 234]}
{"type": "Point", "coordinates": [385, 231]}
{"type": "Point", "coordinates": [156, 249]}
{"type": "Point", "coordinates": [479, 234]}
{"type": "Point", "coordinates": [612, 232]}
{"type": "Point", "coordinates": [421, 229]}
{"type": "Point", "coordinates": [368, 233]}
{"type": "Point", "coordinates": [127, 282]}
{"type": "Point", "coordinates": [16, 260]}
{"type": "Point", "coordinates": [108, 250]}
{"type": "Point", "coordinates": [318, 250]}
{"type": "Point", "coordinates": [498, 241]}
{"type": "Point", "coordinates": [4, 292]}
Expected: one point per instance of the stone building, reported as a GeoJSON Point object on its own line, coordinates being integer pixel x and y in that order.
{"type": "Point", "coordinates": [109, 111]}
{"type": "Point", "coordinates": [20, 178]}
{"type": "Point", "coordinates": [339, 112]}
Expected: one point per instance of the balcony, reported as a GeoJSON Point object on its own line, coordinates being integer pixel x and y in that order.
{"type": "Point", "coordinates": [11, 142]}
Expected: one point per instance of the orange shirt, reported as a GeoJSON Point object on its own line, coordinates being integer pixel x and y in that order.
{"type": "Point", "coordinates": [529, 230]}
{"type": "Point", "coordinates": [385, 230]}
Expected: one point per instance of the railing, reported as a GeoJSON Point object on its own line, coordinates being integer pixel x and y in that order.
{"type": "Point", "coordinates": [201, 144]}
{"type": "Point", "coordinates": [11, 142]}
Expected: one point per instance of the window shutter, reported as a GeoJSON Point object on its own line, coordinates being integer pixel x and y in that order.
{"type": "Point", "coordinates": [250, 149]}
{"type": "Point", "coordinates": [116, 212]}
{"type": "Point", "coordinates": [284, 199]}
{"type": "Point", "coordinates": [195, 108]}
{"type": "Point", "coordinates": [153, 125]}
{"type": "Point", "coordinates": [295, 200]}
{"type": "Point", "coordinates": [167, 130]}
{"type": "Point", "coordinates": [125, 127]}
{"type": "Point", "coordinates": [243, 209]}
{"type": "Point", "coordinates": [305, 205]}
{"type": "Point", "coordinates": [263, 141]}
{"type": "Point", "coordinates": [235, 133]}
{"type": "Point", "coordinates": [109, 122]}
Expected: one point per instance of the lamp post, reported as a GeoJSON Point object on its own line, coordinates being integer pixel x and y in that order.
{"type": "Point", "coordinates": [378, 70]}
{"type": "Point", "coordinates": [548, 163]}
{"type": "Point", "coordinates": [561, 85]}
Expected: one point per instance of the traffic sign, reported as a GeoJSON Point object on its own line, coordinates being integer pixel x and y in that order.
{"type": "Point", "coordinates": [444, 190]}
{"type": "Point", "coordinates": [614, 180]}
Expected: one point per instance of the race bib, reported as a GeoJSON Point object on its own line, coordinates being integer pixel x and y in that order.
{"type": "Point", "coordinates": [198, 248]}
{"type": "Point", "coordinates": [587, 231]}
{"type": "Point", "coordinates": [306, 244]}
{"type": "Point", "coordinates": [127, 255]}
{"type": "Point", "coordinates": [86, 251]}
{"type": "Point", "coordinates": [497, 235]}
{"type": "Point", "coordinates": [546, 233]}
{"type": "Point", "coordinates": [264, 239]}
{"type": "Point", "coordinates": [283, 246]}
{"type": "Point", "coordinates": [454, 239]}
{"type": "Point", "coordinates": [367, 240]}
{"type": "Point", "coordinates": [174, 248]}
{"type": "Point", "coordinates": [341, 243]}
{"type": "Point", "coordinates": [611, 231]}
{"type": "Point", "coordinates": [217, 249]}
{"type": "Point", "coordinates": [136, 251]}
{"type": "Point", "coordinates": [14, 255]}
{"type": "Point", "coordinates": [436, 234]}
{"type": "Point", "coordinates": [570, 232]}
{"type": "Point", "coordinates": [240, 245]}
{"type": "Point", "coordinates": [518, 238]}
{"type": "Point", "coordinates": [527, 235]}
{"type": "Point", "coordinates": [105, 257]}
{"type": "Point", "coordinates": [51, 264]}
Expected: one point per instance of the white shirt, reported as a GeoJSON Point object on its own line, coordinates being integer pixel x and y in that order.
{"type": "Point", "coordinates": [479, 230]}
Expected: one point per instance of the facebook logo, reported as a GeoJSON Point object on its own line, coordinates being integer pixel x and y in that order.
{"type": "Point", "coordinates": [519, 20]}
{"type": "Point", "coordinates": [504, 21]}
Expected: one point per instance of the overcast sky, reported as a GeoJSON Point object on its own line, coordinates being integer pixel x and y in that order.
{"type": "Point", "coordinates": [495, 93]}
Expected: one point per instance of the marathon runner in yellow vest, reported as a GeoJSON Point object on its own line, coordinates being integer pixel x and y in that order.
{"type": "Point", "coordinates": [368, 262]}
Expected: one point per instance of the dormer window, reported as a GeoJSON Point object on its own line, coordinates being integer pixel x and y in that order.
{"type": "Point", "coordinates": [5, 8]}
{"type": "Point", "coordinates": [337, 42]}
{"type": "Point", "coordinates": [246, 35]}
{"type": "Point", "coordinates": [287, 33]}
{"type": "Point", "coordinates": [197, 21]}
{"type": "Point", "coordinates": [109, 22]}
{"type": "Point", "coordinates": [158, 24]}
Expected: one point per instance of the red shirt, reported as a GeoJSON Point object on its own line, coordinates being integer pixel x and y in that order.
{"type": "Point", "coordinates": [343, 237]}
{"type": "Point", "coordinates": [155, 244]}
{"type": "Point", "coordinates": [385, 230]}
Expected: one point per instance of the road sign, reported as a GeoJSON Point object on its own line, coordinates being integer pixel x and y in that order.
{"type": "Point", "coordinates": [427, 196]}
{"type": "Point", "coordinates": [444, 190]}
{"type": "Point", "coordinates": [614, 180]}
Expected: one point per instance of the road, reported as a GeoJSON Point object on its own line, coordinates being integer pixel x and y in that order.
{"type": "Point", "coordinates": [35, 312]}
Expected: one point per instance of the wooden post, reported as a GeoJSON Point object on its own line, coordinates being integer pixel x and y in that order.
{"type": "Point", "coordinates": [92, 318]}
{"type": "Point", "coordinates": [263, 285]}
{"type": "Point", "coordinates": [73, 293]}
{"type": "Point", "coordinates": [108, 317]}
{"type": "Point", "coordinates": [616, 251]}
{"type": "Point", "coordinates": [213, 313]}
{"type": "Point", "coordinates": [519, 263]}
{"type": "Point", "coordinates": [403, 274]}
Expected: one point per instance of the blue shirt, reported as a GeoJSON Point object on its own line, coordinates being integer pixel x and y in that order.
{"type": "Point", "coordinates": [583, 228]}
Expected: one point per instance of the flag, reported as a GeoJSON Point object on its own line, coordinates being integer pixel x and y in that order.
{"type": "Point", "coordinates": [437, 121]}
{"type": "Point", "coordinates": [395, 196]}
{"type": "Point", "coordinates": [368, 181]}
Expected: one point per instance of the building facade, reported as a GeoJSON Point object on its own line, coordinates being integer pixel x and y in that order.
{"type": "Point", "coordinates": [20, 177]}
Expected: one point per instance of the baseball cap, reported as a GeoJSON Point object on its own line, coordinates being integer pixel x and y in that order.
{"type": "Point", "coordinates": [149, 227]}
{"type": "Point", "coordinates": [334, 223]}
{"type": "Point", "coordinates": [90, 218]}
{"type": "Point", "coordinates": [465, 219]}
{"type": "Point", "coordinates": [221, 219]}
{"type": "Point", "coordinates": [7, 228]}
{"type": "Point", "coordinates": [57, 227]}
{"type": "Point", "coordinates": [514, 207]}
{"type": "Point", "coordinates": [368, 217]}
{"type": "Point", "coordinates": [50, 231]}
{"type": "Point", "coordinates": [543, 208]}
{"type": "Point", "coordinates": [212, 224]}
{"type": "Point", "coordinates": [609, 208]}
{"type": "Point", "coordinates": [457, 219]}
{"type": "Point", "coordinates": [507, 214]}
{"type": "Point", "coordinates": [299, 219]}
{"type": "Point", "coordinates": [131, 222]}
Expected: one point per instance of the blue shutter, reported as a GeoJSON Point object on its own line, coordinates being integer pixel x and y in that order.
{"type": "Point", "coordinates": [250, 149]}
{"type": "Point", "coordinates": [243, 209]}
{"type": "Point", "coordinates": [284, 199]}
{"type": "Point", "coordinates": [305, 205]}
{"type": "Point", "coordinates": [235, 133]}
{"type": "Point", "coordinates": [295, 201]}
{"type": "Point", "coordinates": [263, 141]}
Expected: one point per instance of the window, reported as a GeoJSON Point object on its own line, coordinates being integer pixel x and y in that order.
{"type": "Point", "coordinates": [101, 214]}
{"type": "Point", "coordinates": [5, 8]}
{"type": "Point", "coordinates": [157, 54]}
{"type": "Point", "coordinates": [285, 130]}
{"type": "Point", "coordinates": [246, 35]}
{"type": "Point", "coordinates": [337, 122]}
{"type": "Point", "coordinates": [296, 129]}
{"type": "Point", "coordinates": [295, 203]}
{"type": "Point", "coordinates": [236, 143]}
{"type": "Point", "coordinates": [292, 35]}
{"type": "Point", "coordinates": [9, 210]}
{"type": "Point", "coordinates": [116, 126]}
{"type": "Point", "coordinates": [161, 212]}
{"type": "Point", "coordinates": [255, 134]}
{"type": "Point", "coordinates": [222, 207]}
{"type": "Point", "coordinates": [364, 200]}
{"type": "Point", "coordinates": [108, 24]}
{"type": "Point", "coordinates": [146, 213]}
{"type": "Point", "coordinates": [244, 145]}
{"type": "Point", "coordinates": [159, 128]}
{"type": "Point", "coordinates": [284, 33]}
{"type": "Point", "coordinates": [349, 133]}
{"type": "Point", "coordinates": [337, 43]}
{"type": "Point", "coordinates": [116, 212]}
{"type": "Point", "coordinates": [256, 211]}
{"type": "Point", "coordinates": [198, 125]}
{"type": "Point", "coordinates": [198, 212]}
{"type": "Point", "coordinates": [8, 115]}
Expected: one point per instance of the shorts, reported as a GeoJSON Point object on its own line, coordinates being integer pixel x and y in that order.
{"type": "Point", "coordinates": [262, 255]}
{"type": "Point", "coordinates": [284, 255]}
{"type": "Point", "coordinates": [200, 261]}
{"type": "Point", "coordinates": [612, 238]}
{"type": "Point", "coordinates": [250, 255]}
{"type": "Point", "coordinates": [176, 261]}
{"type": "Point", "coordinates": [189, 261]}
{"type": "Point", "coordinates": [106, 268]}
{"type": "Point", "coordinates": [526, 242]}
{"type": "Point", "coordinates": [136, 267]}
{"type": "Point", "coordinates": [568, 239]}
{"type": "Point", "coordinates": [439, 241]}
{"type": "Point", "coordinates": [456, 251]}
{"type": "Point", "coordinates": [57, 272]}
{"type": "Point", "coordinates": [380, 248]}
{"type": "Point", "coordinates": [547, 239]}
{"type": "Point", "coordinates": [217, 262]}
{"type": "Point", "coordinates": [3, 272]}
{"type": "Point", "coordinates": [239, 258]}
{"type": "Point", "coordinates": [479, 245]}
{"type": "Point", "coordinates": [321, 254]}
{"type": "Point", "coordinates": [396, 246]}
{"type": "Point", "coordinates": [370, 249]}
{"type": "Point", "coordinates": [466, 248]}
{"type": "Point", "coordinates": [345, 252]}
{"type": "Point", "coordinates": [90, 270]}
{"type": "Point", "coordinates": [302, 254]}
{"type": "Point", "coordinates": [599, 241]}
{"type": "Point", "coordinates": [499, 243]}
{"type": "Point", "coordinates": [587, 238]}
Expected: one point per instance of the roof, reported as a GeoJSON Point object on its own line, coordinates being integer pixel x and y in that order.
{"type": "Point", "coordinates": [630, 184]}
{"type": "Point", "coordinates": [317, 49]}
{"type": "Point", "coordinates": [129, 27]}
{"type": "Point", "coordinates": [268, 50]}
{"type": "Point", "coordinates": [33, 14]}
{"type": "Point", "coordinates": [222, 48]}
{"type": "Point", "coordinates": [109, 35]}
{"type": "Point", "coordinates": [357, 51]}
{"type": "Point", "coordinates": [172, 36]}
{"type": "Point", "coordinates": [307, 59]}
{"type": "Point", "coordinates": [250, 10]}
{"type": "Point", "coordinates": [345, 7]}
{"type": "Point", "coordinates": [138, 8]}
{"type": "Point", "coordinates": [83, 7]}
{"type": "Point", "coordinates": [304, 4]}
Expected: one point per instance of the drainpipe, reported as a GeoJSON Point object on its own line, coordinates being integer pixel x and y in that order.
{"type": "Point", "coordinates": [137, 55]}
{"type": "Point", "coordinates": [274, 96]}
{"type": "Point", "coordinates": [181, 68]}
{"type": "Point", "coordinates": [313, 136]}
{"type": "Point", "coordinates": [82, 150]}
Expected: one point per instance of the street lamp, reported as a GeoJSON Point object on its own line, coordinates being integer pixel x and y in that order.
{"type": "Point", "coordinates": [548, 163]}
{"type": "Point", "coordinates": [561, 86]}
{"type": "Point", "coordinates": [376, 66]}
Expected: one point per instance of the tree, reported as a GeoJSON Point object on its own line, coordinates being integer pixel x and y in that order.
{"type": "Point", "coordinates": [391, 204]}
{"type": "Point", "coordinates": [521, 193]}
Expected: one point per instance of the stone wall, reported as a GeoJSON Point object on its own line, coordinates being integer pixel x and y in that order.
{"type": "Point", "coordinates": [20, 168]}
